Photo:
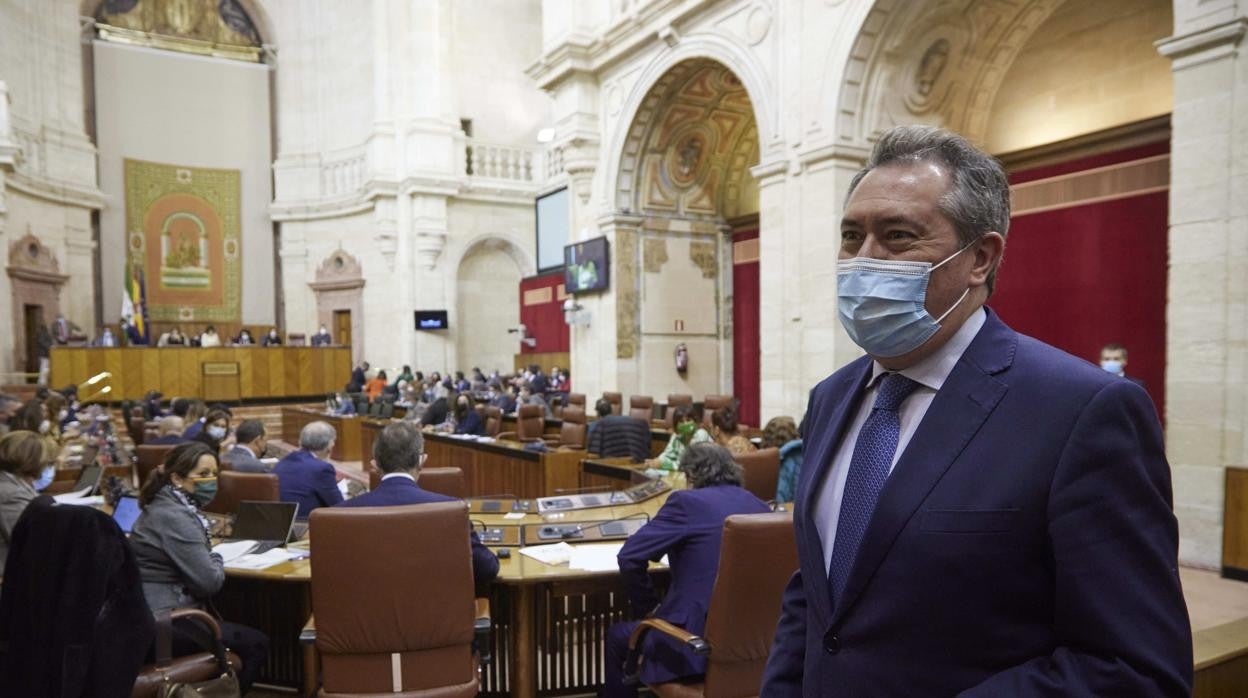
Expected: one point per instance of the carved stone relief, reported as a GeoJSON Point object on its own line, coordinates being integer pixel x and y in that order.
{"type": "Point", "coordinates": [626, 293]}
{"type": "Point", "coordinates": [654, 254]}
{"type": "Point", "coordinates": [702, 254]}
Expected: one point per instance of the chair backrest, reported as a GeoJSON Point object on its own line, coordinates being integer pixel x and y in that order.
{"type": "Point", "coordinates": [616, 401]}
{"type": "Point", "coordinates": [374, 475]}
{"type": "Point", "coordinates": [361, 405]}
{"type": "Point", "coordinates": [447, 481]}
{"type": "Point", "coordinates": [135, 426]}
{"type": "Point", "coordinates": [148, 458]}
{"type": "Point", "coordinates": [577, 399]}
{"type": "Point", "coordinates": [493, 421]}
{"type": "Point", "coordinates": [674, 401]}
{"type": "Point", "coordinates": [530, 422]}
{"type": "Point", "coordinates": [72, 616]}
{"type": "Point", "coordinates": [713, 402]}
{"type": "Point", "coordinates": [574, 429]}
{"type": "Point", "coordinates": [234, 487]}
{"type": "Point", "coordinates": [136, 411]}
{"type": "Point", "coordinates": [641, 407]}
{"type": "Point", "coordinates": [374, 409]}
{"type": "Point", "coordinates": [762, 471]}
{"type": "Point", "coordinates": [387, 410]}
{"type": "Point", "coordinates": [757, 556]}
{"type": "Point", "coordinates": [390, 639]}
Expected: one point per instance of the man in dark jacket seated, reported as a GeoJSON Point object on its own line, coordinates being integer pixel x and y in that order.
{"type": "Point", "coordinates": [304, 476]}
{"type": "Point", "coordinates": [618, 436]}
{"type": "Point", "coordinates": [399, 452]}
{"type": "Point", "coordinates": [688, 530]}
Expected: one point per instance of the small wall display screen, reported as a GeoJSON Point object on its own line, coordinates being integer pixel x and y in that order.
{"type": "Point", "coordinates": [431, 320]}
{"type": "Point", "coordinates": [586, 266]}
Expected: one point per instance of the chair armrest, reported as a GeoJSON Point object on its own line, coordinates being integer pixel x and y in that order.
{"type": "Point", "coordinates": [696, 643]}
{"type": "Point", "coordinates": [507, 436]}
{"type": "Point", "coordinates": [482, 624]}
{"type": "Point", "coordinates": [307, 636]}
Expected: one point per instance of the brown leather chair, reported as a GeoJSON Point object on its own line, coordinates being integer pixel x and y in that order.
{"type": "Point", "coordinates": [530, 424]}
{"type": "Point", "coordinates": [713, 402]}
{"type": "Point", "coordinates": [762, 472]}
{"type": "Point", "coordinates": [447, 481]}
{"type": "Point", "coordinates": [574, 433]}
{"type": "Point", "coordinates": [673, 401]}
{"type": "Point", "coordinates": [616, 401]}
{"type": "Point", "coordinates": [191, 668]}
{"type": "Point", "coordinates": [391, 641]}
{"type": "Point", "coordinates": [374, 475]}
{"type": "Point", "coordinates": [757, 557]}
{"type": "Point", "coordinates": [493, 420]}
{"type": "Point", "coordinates": [137, 426]}
{"type": "Point", "coordinates": [577, 399]}
{"type": "Point", "coordinates": [641, 407]}
{"type": "Point", "coordinates": [235, 487]}
{"type": "Point", "coordinates": [148, 458]}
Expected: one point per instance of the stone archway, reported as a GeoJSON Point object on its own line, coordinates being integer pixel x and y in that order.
{"type": "Point", "coordinates": [683, 175]}
{"type": "Point", "coordinates": [339, 286]}
{"type": "Point", "coordinates": [487, 302]}
{"type": "Point", "coordinates": [36, 280]}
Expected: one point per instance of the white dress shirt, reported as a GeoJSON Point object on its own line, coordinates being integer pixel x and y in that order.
{"type": "Point", "coordinates": [930, 374]}
{"type": "Point", "coordinates": [387, 476]}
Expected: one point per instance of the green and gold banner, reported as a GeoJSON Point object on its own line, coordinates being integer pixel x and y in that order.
{"type": "Point", "coordinates": [184, 234]}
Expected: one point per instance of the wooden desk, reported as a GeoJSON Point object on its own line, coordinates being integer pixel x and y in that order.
{"type": "Point", "coordinates": [262, 372]}
{"type": "Point", "coordinates": [1221, 658]}
{"type": "Point", "coordinates": [1235, 524]}
{"type": "Point", "coordinates": [346, 446]}
{"type": "Point", "coordinates": [504, 467]}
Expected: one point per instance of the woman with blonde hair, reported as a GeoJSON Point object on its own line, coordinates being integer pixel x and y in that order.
{"type": "Point", "coordinates": [26, 468]}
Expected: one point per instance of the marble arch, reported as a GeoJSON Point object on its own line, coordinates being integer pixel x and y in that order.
{"type": "Point", "coordinates": [524, 261]}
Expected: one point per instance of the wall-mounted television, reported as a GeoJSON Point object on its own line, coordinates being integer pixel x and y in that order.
{"type": "Point", "coordinates": [586, 266]}
{"type": "Point", "coordinates": [431, 320]}
{"type": "Point", "coordinates": [552, 228]}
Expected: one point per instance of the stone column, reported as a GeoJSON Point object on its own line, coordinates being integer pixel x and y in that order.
{"type": "Point", "coordinates": [77, 299]}
{"type": "Point", "coordinates": [1207, 356]}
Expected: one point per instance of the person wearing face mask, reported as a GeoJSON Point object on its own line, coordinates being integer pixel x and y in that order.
{"type": "Point", "coordinates": [216, 428]}
{"type": "Point", "coordinates": [1114, 362]}
{"type": "Point", "coordinates": [272, 339]}
{"type": "Point", "coordinates": [171, 544]}
{"type": "Point", "coordinates": [9, 406]}
{"type": "Point", "coordinates": [250, 443]}
{"type": "Point", "coordinates": [978, 513]}
{"type": "Point", "coordinates": [244, 338]}
{"type": "Point", "coordinates": [322, 338]}
{"type": "Point", "coordinates": [687, 433]}
{"type": "Point", "coordinates": [25, 470]}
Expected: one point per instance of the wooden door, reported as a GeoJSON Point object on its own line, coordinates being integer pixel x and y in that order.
{"type": "Point", "coordinates": [342, 327]}
{"type": "Point", "coordinates": [33, 318]}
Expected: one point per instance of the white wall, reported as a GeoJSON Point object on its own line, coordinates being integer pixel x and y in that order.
{"type": "Point", "coordinates": [188, 110]}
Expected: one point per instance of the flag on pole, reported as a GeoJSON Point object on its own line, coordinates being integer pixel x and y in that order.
{"type": "Point", "coordinates": [140, 304]}
{"type": "Point", "coordinates": [127, 302]}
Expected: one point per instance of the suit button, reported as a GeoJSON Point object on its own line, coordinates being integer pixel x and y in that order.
{"type": "Point", "coordinates": [831, 644]}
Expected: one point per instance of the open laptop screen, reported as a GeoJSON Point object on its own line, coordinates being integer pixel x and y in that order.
{"type": "Point", "coordinates": [126, 513]}
{"type": "Point", "coordinates": [264, 520]}
{"type": "Point", "coordinates": [90, 477]}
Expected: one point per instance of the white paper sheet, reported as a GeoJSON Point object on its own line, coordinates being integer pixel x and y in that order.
{"type": "Point", "coordinates": [79, 498]}
{"type": "Point", "coordinates": [233, 549]}
{"type": "Point", "coordinates": [557, 554]}
{"type": "Point", "coordinates": [276, 556]}
{"type": "Point", "coordinates": [514, 515]}
{"type": "Point", "coordinates": [595, 557]}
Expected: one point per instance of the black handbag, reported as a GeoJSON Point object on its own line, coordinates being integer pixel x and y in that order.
{"type": "Point", "coordinates": [223, 685]}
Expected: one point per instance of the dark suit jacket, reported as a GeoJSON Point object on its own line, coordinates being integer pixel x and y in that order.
{"type": "Point", "coordinates": [308, 481]}
{"type": "Point", "coordinates": [688, 530]}
{"type": "Point", "coordinates": [618, 436]}
{"type": "Point", "coordinates": [471, 424]}
{"type": "Point", "coordinates": [166, 440]}
{"type": "Point", "coordinates": [357, 380]}
{"type": "Point", "coordinates": [397, 491]}
{"type": "Point", "coordinates": [1024, 544]}
{"type": "Point", "coordinates": [243, 460]}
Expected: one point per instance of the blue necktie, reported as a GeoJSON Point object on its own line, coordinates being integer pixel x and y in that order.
{"type": "Point", "coordinates": [868, 470]}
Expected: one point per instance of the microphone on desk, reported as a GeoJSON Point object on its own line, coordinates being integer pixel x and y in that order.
{"type": "Point", "coordinates": [505, 495]}
{"type": "Point", "coordinates": [582, 529]}
{"type": "Point", "coordinates": [575, 490]}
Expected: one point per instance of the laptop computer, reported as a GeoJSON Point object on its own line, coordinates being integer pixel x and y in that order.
{"type": "Point", "coordinates": [126, 513]}
{"type": "Point", "coordinates": [267, 523]}
{"type": "Point", "coordinates": [88, 479]}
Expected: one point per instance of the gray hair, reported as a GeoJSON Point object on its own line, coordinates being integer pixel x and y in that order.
{"type": "Point", "coordinates": [398, 447]}
{"type": "Point", "coordinates": [707, 464]}
{"type": "Point", "coordinates": [978, 201]}
{"type": "Point", "coordinates": [172, 424]}
{"type": "Point", "coordinates": [317, 436]}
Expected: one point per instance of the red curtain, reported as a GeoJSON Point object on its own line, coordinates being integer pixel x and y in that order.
{"type": "Point", "coordinates": [541, 311]}
{"type": "Point", "coordinates": [745, 332]}
{"type": "Point", "coordinates": [1084, 276]}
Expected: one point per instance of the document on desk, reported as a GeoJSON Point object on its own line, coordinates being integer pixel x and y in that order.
{"type": "Point", "coordinates": [276, 556]}
{"type": "Point", "coordinates": [556, 554]}
{"type": "Point", "coordinates": [79, 497]}
{"type": "Point", "coordinates": [233, 549]}
{"type": "Point", "coordinates": [596, 557]}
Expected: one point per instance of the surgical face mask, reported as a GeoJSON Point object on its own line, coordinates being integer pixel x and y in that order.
{"type": "Point", "coordinates": [686, 429]}
{"type": "Point", "coordinates": [216, 432]}
{"type": "Point", "coordinates": [60, 416]}
{"type": "Point", "coordinates": [205, 488]}
{"type": "Point", "coordinates": [45, 426]}
{"type": "Point", "coordinates": [881, 303]}
{"type": "Point", "coordinates": [45, 478]}
{"type": "Point", "coordinates": [1111, 366]}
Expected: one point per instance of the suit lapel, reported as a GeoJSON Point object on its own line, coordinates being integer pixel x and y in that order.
{"type": "Point", "coordinates": [960, 408]}
{"type": "Point", "coordinates": [846, 394]}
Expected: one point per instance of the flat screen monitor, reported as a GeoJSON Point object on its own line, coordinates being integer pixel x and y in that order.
{"type": "Point", "coordinates": [586, 266]}
{"type": "Point", "coordinates": [552, 229]}
{"type": "Point", "coordinates": [126, 512]}
{"type": "Point", "coordinates": [432, 320]}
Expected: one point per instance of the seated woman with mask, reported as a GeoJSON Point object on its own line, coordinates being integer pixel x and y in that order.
{"type": "Point", "coordinates": [467, 421]}
{"type": "Point", "coordinates": [176, 562]}
{"type": "Point", "coordinates": [687, 433]}
{"type": "Point", "coordinates": [216, 428]}
{"type": "Point", "coordinates": [25, 469]}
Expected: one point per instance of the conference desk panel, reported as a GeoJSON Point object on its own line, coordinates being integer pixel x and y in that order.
{"type": "Point", "coordinates": [504, 467]}
{"type": "Point", "coordinates": [262, 373]}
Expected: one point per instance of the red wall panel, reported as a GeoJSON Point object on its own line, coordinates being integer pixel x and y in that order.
{"type": "Point", "coordinates": [745, 334]}
{"type": "Point", "coordinates": [541, 311]}
{"type": "Point", "coordinates": [1084, 276]}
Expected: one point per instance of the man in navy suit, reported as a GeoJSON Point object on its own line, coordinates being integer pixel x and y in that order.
{"type": "Point", "coordinates": [399, 451]}
{"type": "Point", "coordinates": [304, 476]}
{"type": "Point", "coordinates": [979, 514]}
{"type": "Point", "coordinates": [687, 529]}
